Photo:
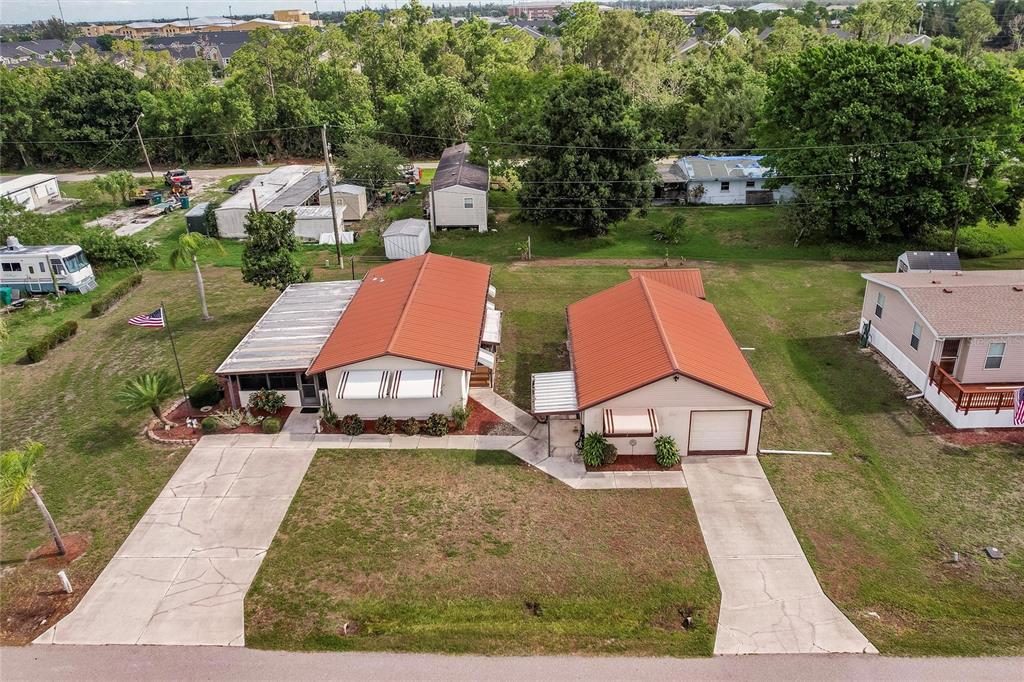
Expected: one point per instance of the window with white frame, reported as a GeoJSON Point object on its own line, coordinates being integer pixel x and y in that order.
{"type": "Point", "coordinates": [880, 304]}
{"type": "Point", "coordinates": [467, 202]}
{"type": "Point", "coordinates": [725, 187]}
{"type": "Point", "coordinates": [994, 359]}
{"type": "Point", "coordinates": [915, 336]}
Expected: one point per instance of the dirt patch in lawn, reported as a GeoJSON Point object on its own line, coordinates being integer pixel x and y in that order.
{"type": "Point", "coordinates": [75, 545]}
{"type": "Point", "coordinates": [461, 551]}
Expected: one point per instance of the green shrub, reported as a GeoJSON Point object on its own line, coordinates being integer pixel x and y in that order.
{"type": "Point", "coordinates": [103, 247]}
{"type": "Point", "coordinates": [209, 425]}
{"type": "Point", "coordinates": [411, 426]}
{"type": "Point", "coordinates": [205, 391]}
{"type": "Point", "coordinates": [271, 425]}
{"type": "Point", "coordinates": [437, 425]}
{"type": "Point", "coordinates": [595, 446]}
{"type": "Point", "coordinates": [210, 220]}
{"type": "Point", "coordinates": [351, 425]}
{"type": "Point", "coordinates": [981, 241]}
{"type": "Point", "coordinates": [115, 294]}
{"type": "Point", "coordinates": [56, 336]}
{"type": "Point", "coordinates": [672, 232]}
{"type": "Point", "coordinates": [266, 400]}
{"type": "Point", "coordinates": [666, 452]}
{"type": "Point", "coordinates": [327, 413]}
{"type": "Point", "coordinates": [610, 454]}
{"type": "Point", "coordinates": [385, 425]}
{"type": "Point", "coordinates": [461, 414]}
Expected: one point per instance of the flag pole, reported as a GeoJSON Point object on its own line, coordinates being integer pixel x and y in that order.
{"type": "Point", "coordinates": [167, 326]}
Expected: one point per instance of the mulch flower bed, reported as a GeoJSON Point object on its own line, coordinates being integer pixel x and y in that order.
{"type": "Point", "coordinates": [482, 422]}
{"type": "Point", "coordinates": [1006, 436]}
{"type": "Point", "coordinates": [181, 432]}
{"type": "Point", "coordinates": [635, 463]}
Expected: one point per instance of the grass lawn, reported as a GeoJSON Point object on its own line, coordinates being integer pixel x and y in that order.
{"type": "Point", "coordinates": [98, 475]}
{"type": "Point", "coordinates": [446, 550]}
{"type": "Point", "coordinates": [880, 517]}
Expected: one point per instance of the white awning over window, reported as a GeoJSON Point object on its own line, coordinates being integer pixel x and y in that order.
{"type": "Point", "coordinates": [417, 383]}
{"type": "Point", "coordinates": [364, 384]}
{"type": "Point", "coordinates": [485, 358]}
{"type": "Point", "coordinates": [490, 305]}
{"type": "Point", "coordinates": [492, 327]}
{"type": "Point", "coordinates": [630, 423]}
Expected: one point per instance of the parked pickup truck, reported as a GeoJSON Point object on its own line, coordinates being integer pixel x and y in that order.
{"type": "Point", "coordinates": [178, 176]}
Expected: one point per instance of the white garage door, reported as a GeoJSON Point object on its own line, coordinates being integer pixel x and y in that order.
{"type": "Point", "coordinates": [719, 431]}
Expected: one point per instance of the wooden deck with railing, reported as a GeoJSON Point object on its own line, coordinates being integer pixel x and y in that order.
{"type": "Point", "coordinates": [972, 397]}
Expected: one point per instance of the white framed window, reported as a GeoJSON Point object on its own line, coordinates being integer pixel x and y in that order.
{"type": "Point", "coordinates": [725, 187]}
{"type": "Point", "coordinates": [994, 359]}
{"type": "Point", "coordinates": [915, 336]}
{"type": "Point", "coordinates": [467, 202]}
{"type": "Point", "coordinates": [880, 304]}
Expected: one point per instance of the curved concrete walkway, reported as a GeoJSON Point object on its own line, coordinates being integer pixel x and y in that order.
{"type": "Point", "coordinates": [771, 600]}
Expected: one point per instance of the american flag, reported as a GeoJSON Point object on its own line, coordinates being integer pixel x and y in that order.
{"type": "Point", "coordinates": [154, 319]}
{"type": "Point", "coordinates": [1018, 406]}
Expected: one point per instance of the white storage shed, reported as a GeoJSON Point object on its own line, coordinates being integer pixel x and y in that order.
{"type": "Point", "coordinates": [350, 198]}
{"type": "Point", "coordinates": [31, 191]}
{"type": "Point", "coordinates": [407, 238]}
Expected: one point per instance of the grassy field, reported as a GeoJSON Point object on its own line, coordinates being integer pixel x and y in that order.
{"type": "Point", "coordinates": [475, 552]}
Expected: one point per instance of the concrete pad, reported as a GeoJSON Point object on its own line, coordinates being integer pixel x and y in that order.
{"type": "Point", "coordinates": [271, 473]}
{"type": "Point", "coordinates": [496, 442]}
{"type": "Point", "coordinates": [531, 450]}
{"type": "Point", "coordinates": [219, 439]}
{"type": "Point", "coordinates": [292, 439]}
{"type": "Point", "coordinates": [461, 442]}
{"type": "Point", "coordinates": [404, 442]}
{"type": "Point", "coordinates": [727, 478]}
{"type": "Point", "coordinates": [332, 441]}
{"type": "Point", "coordinates": [596, 480]}
{"type": "Point", "coordinates": [255, 440]}
{"type": "Point", "coordinates": [631, 479]}
{"type": "Point", "coordinates": [743, 530]}
{"type": "Point", "coordinates": [433, 442]}
{"type": "Point", "coordinates": [667, 479]}
{"type": "Point", "coordinates": [371, 441]}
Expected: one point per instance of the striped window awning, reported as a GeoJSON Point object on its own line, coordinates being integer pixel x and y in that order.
{"type": "Point", "coordinates": [417, 383]}
{"type": "Point", "coordinates": [630, 422]}
{"type": "Point", "coordinates": [364, 384]}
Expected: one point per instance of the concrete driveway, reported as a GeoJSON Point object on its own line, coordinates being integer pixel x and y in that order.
{"type": "Point", "coordinates": [771, 600]}
{"type": "Point", "coordinates": [182, 574]}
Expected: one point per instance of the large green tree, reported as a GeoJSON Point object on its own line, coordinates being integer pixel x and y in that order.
{"type": "Point", "coordinates": [878, 139]}
{"type": "Point", "coordinates": [370, 163]}
{"type": "Point", "coordinates": [269, 259]}
{"type": "Point", "coordinates": [595, 167]}
{"type": "Point", "coordinates": [975, 25]}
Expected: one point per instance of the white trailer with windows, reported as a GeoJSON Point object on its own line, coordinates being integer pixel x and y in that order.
{"type": "Point", "coordinates": [33, 269]}
{"type": "Point", "coordinates": [30, 191]}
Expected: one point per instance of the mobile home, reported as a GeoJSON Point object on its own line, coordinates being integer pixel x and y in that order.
{"type": "Point", "coordinates": [33, 269]}
{"type": "Point", "coordinates": [31, 191]}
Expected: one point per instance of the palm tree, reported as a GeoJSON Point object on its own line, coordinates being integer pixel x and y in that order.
{"type": "Point", "coordinates": [148, 390]}
{"type": "Point", "coordinates": [18, 477]}
{"type": "Point", "coordinates": [189, 246]}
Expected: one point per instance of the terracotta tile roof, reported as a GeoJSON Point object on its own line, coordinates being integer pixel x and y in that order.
{"type": "Point", "coordinates": [963, 304]}
{"type": "Point", "coordinates": [687, 280]}
{"type": "Point", "coordinates": [656, 333]}
{"type": "Point", "coordinates": [428, 308]}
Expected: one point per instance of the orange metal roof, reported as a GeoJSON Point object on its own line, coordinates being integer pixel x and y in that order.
{"type": "Point", "coordinates": [641, 331]}
{"type": "Point", "coordinates": [687, 280]}
{"type": "Point", "coordinates": [428, 308]}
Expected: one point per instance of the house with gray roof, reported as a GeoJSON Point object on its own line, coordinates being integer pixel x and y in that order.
{"type": "Point", "coordinates": [957, 336]}
{"type": "Point", "coordinates": [458, 192]}
{"type": "Point", "coordinates": [729, 180]}
{"type": "Point", "coordinates": [911, 261]}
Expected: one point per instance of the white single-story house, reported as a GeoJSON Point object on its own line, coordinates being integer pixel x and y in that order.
{"type": "Point", "coordinates": [31, 191]}
{"type": "Point", "coordinates": [348, 198]}
{"type": "Point", "coordinates": [729, 180]}
{"type": "Point", "coordinates": [649, 358]}
{"type": "Point", "coordinates": [406, 238]}
{"type": "Point", "coordinates": [407, 341]}
{"type": "Point", "coordinates": [287, 187]}
{"type": "Point", "coordinates": [912, 261]}
{"type": "Point", "coordinates": [458, 192]}
{"type": "Point", "coordinates": [957, 336]}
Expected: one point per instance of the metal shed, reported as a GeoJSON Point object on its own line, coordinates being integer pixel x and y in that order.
{"type": "Point", "coordinates": [195, 218]}
{"type": "Point", "coordinates": [407, 238]}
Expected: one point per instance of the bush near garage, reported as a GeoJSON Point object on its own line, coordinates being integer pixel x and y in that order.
{"type": "Point", "coordinates": [666, 451]}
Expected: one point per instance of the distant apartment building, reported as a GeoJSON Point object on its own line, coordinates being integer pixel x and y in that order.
{"type": "Point", "coordinates": [97, 30]}
{"type": "Point", "coordinates": [534, 11]}
{"type": "Point", "coordinates": [296, 16]}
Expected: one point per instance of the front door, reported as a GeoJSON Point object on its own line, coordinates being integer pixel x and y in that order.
{"type": "Point", "coordinates": [307, 391]}
{"type": "Point", "coordinates": [950, 353]}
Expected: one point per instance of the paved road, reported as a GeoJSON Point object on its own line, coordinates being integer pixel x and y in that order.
{"type": "Point", "coordinates": [181, 575]}
{"type": "Point", "coordinates": [84, 664]}
{"type": "Point", "coordinates": [771, 601]}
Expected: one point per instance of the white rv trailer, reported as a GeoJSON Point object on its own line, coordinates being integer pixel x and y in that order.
{"type": "Point", "coordinates": [32, 269]}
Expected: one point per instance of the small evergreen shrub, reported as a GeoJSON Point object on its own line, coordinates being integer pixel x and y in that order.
{"type": "Point", "coordinates": [461, 414]}
{"type": "Point", "coordinates": [437, 425]}
{"type": "Point", "coordinates": [271, 425]}
{"type": "Point", "coordinates": [327, 413]}
{"type": "Point", "coordinates": [209, 425]}
{"type": "Point", "coordinates": [385, 425]}
{"type": "Point", "coordinates": [666, 452]}
{"type": "Point", "coordinates": [53, 338]}
{"type": "Point", "coordinates": [115, 294]}
{"type": "Point", "coordinates": [610, 454]}
{"type": "Point", "coordinates": [205, 391]}
{"type": "Point", "coordinates": [267, 400]}
{"type": "Point", "coordinates": [595, 445]}
{"type": "Point", "coordinates": [351, 425]}
{"type": "Point", "coordinates": [410, 426]}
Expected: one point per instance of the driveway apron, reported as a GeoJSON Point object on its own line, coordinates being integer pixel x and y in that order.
{"type": "Point", "coordinates": [771, 601]}
{"type": "Point", "coordinates": [182, 574]}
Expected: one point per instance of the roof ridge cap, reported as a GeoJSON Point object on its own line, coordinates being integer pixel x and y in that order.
{"type": "Point", "coordinates": [407, 304]}
{"type": "Point", "coordinates": [657, 323]}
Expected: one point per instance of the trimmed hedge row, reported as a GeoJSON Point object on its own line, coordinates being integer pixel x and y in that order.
{"type": "Point", "coordinates": [38, 350]}
{"type": "Point", "coordinates": [116, 293]}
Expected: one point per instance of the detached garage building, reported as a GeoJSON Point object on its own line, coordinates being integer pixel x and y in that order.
{"type": "Point", "coordinates": [649, 358]}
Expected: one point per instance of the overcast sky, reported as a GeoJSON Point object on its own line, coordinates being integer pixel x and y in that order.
{"type": "Point", "coordinates": [24, 11]}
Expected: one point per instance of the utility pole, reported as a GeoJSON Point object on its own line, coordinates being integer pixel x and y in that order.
{"type": "Point", "coordinates": [330, 192]}
{"type": "Point", "coordinates": [188, 17]}
{"type": "Point", "coordinates": [142, 142]}
{"type": "Point", "coordinates": [956, 225]}
{"type": "Point", "coordinates": [60, 10]}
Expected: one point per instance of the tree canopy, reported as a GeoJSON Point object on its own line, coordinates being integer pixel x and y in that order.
{"type": "Point", "coordinates": [269, 259]}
